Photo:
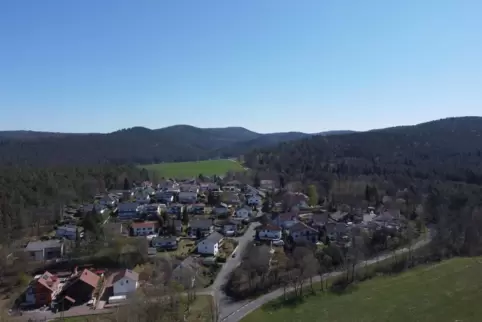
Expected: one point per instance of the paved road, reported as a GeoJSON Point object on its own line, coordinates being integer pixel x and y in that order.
{"type": "Point", "coordinates": [232, 263]}
{"type": "Point", "coordinates": [233, 312]}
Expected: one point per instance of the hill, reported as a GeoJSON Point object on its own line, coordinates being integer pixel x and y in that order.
{"type": "Point", "coordinates": [417, 295]}
{"type": "Point", "coordinates": [134, 145]}
{"type": "Point", "coordinates": [448, 149]}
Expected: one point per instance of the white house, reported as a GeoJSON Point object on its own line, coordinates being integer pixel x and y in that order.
{"type": "Point", "coordinates": [269, 232]}
{"type": "Point", "coordinates": [255, 200]}
{"type": "Point", "coordinates": [67, 231]}
{"type": "Point", "coordinates": [187, 196]}
{"type": "Point", "coordinates": [211, 244]}
{"type": "Point", "coordinates": [144, 228]}
{"type": "Point", "coordinates": [125, 282]}
{"type": "Point", "coordinates": [243, 213]}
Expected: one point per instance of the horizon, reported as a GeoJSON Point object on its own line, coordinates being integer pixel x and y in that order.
{"type": "Point", "coordinates": [246, 128]}
{"type": "Point", "coordinates": [270, 66]}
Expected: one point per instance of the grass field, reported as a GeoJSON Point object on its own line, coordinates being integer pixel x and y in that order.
{"type": "Point", "coordinates": [448, 291]}
{"type": "Point", "coordinates": [193, 169]}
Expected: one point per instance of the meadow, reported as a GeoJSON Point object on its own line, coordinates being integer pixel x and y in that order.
{"type": "Point", "coordinates": [194, 168]}
{"type": "Point", "coordinates": [446, 291]}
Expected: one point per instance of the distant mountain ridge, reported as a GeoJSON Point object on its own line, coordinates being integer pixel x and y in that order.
{"type": "Point", "coordinates": [136, 145]}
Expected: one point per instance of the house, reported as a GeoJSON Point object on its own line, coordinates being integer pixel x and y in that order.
{"type": "Point", "coordinates": [319, 220]}
{"type": "Point", "coordinates": [144, 228]}
{"type": "Point", "coordinates": [201, 227]}
{"type": "Point", "coordinates": [41, 290]}
{"type": "Point", "coordinates": [175, 209]}
{"type": "Point", "coordinates": [230, 198]}
{"type": "Point", "coordinates": [189, 188]}
{"type": "Point", "coordinates": [88, 208]}
{"type": "Point", "coordinates": [169, 243]}
{"type": "Point", "coordinates": [295, 200]}
{"type": "Point", "coordinates": [269, 231]}
{"type": "Point", "coordinates": [243, 213]}
{"type": "Point", "coordinates": [45, 250]}
{"type": "Point", "coordinates": [197, 209]}
{"type": "Point", "coordinates": [229, 227]}
{"type": "Point", "coordinates": [67, 232]}
{"type": "Point", "coordinates": [127, 210]}
{"type": "Point", "coordinates": [339, 216]}
{"type": "Point", "coordinates": [210, 245]}
{"type": "Point", "coordinates": [107, 201]}
{"type": "Point", "coordinates": [78, 290]}
{"type": "Point", "coordinates": [221, 209]}
{"type": "Point", "coordinates": [187, 197]}
{"type": "Point", "coordinates": [285, 220]}
{"type": "Point", "coordinates": [255, 200]}
{"type": "Point", "coordinates": [336, 230]}
{"type": "Point", "coordinates": [164, 196]}
{"type": "Point", "coordinates": [152, 209]}
{"type": "Point", "coordinates": [187, 273]}
{"type": "Point", "coordinates": [267, 184]}
{"type": "Point", "coordinates": [300, 232]}
{"type": "Point", "coordinates": [123, 282]}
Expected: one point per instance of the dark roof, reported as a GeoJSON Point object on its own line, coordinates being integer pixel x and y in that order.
{"type": "Point", "coordinates": [301, 227]}
{"type": "Point", "coordinates": [268, 227]}
{"type": "Point", "coordinates": [42, 244]}
{"type": "Point", "coordinates": [169, 239]}
{"type": "Point", "coordinates": [201, 223]}
{"type": "Point", "coordinates": [320, 219]}
{"type": "Point", "coordinates": [127, 206]}
{"type": "Point", "coordinates": [214, 237]}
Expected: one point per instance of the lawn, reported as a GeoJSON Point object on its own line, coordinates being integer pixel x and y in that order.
{"type": "Point", "coordinates": [447, 291]}
{"type": "Point", "coordinates": [193, 169]}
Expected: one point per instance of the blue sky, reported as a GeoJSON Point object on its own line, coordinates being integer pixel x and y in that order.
{"type": "Point", "coordinates": [268, 65]}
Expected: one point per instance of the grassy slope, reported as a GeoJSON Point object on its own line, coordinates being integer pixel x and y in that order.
{"type": "Point", "coordinates": [448, 291]}
{"type": "Point", "coordinates": [193, 169]}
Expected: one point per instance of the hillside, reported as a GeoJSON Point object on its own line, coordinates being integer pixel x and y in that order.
{"type": "Point", "coordinates": [448, 291]}
{"type": "Point", "coordinates": [448, 149]}
{"type": "Point", "coordinates": [134, 145]}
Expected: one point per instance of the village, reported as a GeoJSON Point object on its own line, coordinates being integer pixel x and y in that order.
{"type": "Point", "coordinates": [202, 229]}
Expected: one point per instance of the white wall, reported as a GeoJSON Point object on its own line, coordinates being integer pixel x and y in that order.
{"type": "Point", "coordinates": [124, 286]}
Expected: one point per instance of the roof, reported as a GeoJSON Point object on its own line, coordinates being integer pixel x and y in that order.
{"type": "Point", "coordinates": [42, 244]}
{"type": "Point", "coordinates": [144, 224]}
{"type": "Point", "coordinates": [89, 278]}
{"type": "Point", "coordinates": [68, 227]}
{"type": "Point", "coordinates": [214, 237]}
{"type": "Point", "coordinates": [301, 227]}
{"type": "Point", "coordinates": [320, 218]}
{"type": "Point", "coordinates": [117, 276]}
{"type": "Point", "coordinates": [222, 205]}
{"type": "Point", "coordinates": [287, 216]}
{"type": "Point", "coordinates": [127, 206]}
{"type": "Point", "coordinates": [49, 281]}
{"type": "Point", "coordinates": [268, 227]}
{"type": "Point", "coordinates": [169, 239]}
{"type": "Point", "coordinates": [339, 215]}
{"type": "Point", "coordinates": [201, 223]}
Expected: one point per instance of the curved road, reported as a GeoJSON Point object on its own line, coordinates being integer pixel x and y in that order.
{"type": "Point", "coordinates": [235, 311]}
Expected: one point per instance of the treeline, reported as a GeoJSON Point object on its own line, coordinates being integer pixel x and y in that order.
{"type": "Point", "coordinates": [33, 199]}
{"type": "Point", "coordinates": [446, 150]}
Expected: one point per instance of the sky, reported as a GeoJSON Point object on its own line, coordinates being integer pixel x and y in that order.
{"type": "Point", "coordinates": [267, 65]}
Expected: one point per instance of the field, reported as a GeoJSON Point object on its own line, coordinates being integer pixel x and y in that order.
{"type": "Point", "coordinates": [448, 291]}
{"type": "Point", "coordinates": [193, 169]}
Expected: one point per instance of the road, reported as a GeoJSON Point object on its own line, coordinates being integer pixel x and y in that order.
{"type": "Point", "coordinates": [232, 263]}
{"type": "Point", "coordinates": [235, 311]}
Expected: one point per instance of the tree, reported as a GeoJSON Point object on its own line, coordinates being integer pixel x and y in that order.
{"type": "Point", "coordinates": [256, 180]}
{"type": "Point", "coordinates": [312, 195]}
{"type": "Point", "coordinates": [185, 216]}
{"type": "Point", "coordinates": [127, 185]}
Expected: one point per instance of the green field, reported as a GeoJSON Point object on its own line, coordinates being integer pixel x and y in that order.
{"type": "Point", "coordinates": [193, 169]}
{"type": "Point", "coordinates": [448, 291]}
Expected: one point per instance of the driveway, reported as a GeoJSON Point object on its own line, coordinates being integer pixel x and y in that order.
{"type": "Point", "coordinates": [235, 311]}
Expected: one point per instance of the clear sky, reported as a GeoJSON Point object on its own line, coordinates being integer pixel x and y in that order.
{"type": "Point", "coordinates": [268, 65]}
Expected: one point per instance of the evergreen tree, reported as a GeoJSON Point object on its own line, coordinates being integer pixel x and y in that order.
{"type": "Point", "coordinates": [127, 186]}
{"type": "Point", "coordinates": [185, 216]}
{"type": "Point", "coordinates": [312, 195]}
{"type": "Point", "coordinates": [256, 180]}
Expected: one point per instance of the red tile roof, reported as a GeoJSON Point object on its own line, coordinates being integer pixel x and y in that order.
{"type": "Point", "coordinates": [89, 277]}
{"type": "Point", "coordinates": [49, 280]}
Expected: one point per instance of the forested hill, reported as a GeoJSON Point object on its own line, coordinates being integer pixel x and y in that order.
{"type": "Point", "coordinates": [134, 145]}
{"type": "Point", "coordinates": [448, 149]}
